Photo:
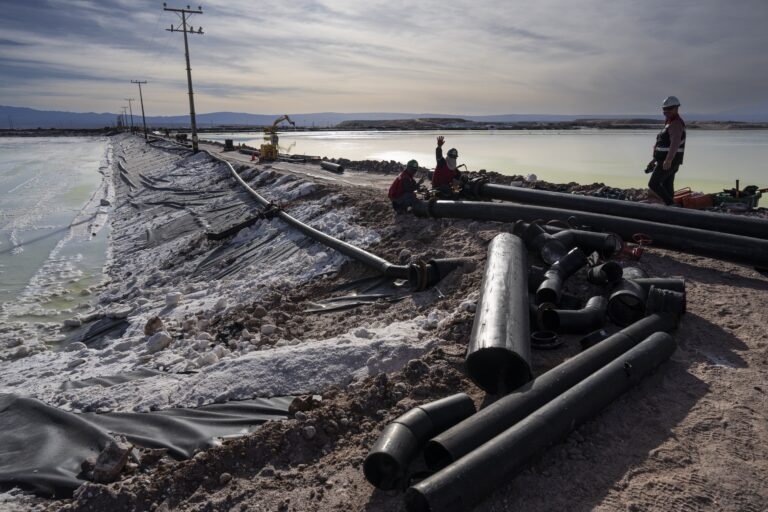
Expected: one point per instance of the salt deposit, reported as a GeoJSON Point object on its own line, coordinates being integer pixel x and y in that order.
{"type": "Point", "coordinates": [164, 281]}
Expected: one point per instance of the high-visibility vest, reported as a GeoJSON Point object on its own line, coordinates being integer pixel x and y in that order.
{"type": "Point", "coordinates": [663, 141]}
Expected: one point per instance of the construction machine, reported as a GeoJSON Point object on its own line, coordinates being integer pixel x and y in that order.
{"type": "Point", "coordinates": [269, 149]}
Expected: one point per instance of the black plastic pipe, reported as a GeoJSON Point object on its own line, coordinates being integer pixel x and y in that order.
{"type": "Point", "coordinates": [499, 351]}
{"type": "Point", "coordinates": [744, 226]}
{"type": "Point", "coordinates": [581, 321]}
{"type": "Point", "coordinates": [371, 260]}
{"type": "Point", "coordinates": [386, 465]}
{"type": "Point", "coordinates": [627, 302]}
{"type": "Point", "coordinates": [606, 244]}
{"type": "Point", "coordinates": [608, 273]}
{"type": "Point", "coordinates": [537, 239]}
{"type": "Point", "coordinates": [551, 288]}
{"type": "Point", "coordinates": [425, 275]}
{"type": "Point", "coordinates": [330, 166]}
{"type": "Point", "coordinates": [461, 439]}
{"type": "Point", "coordinates": [739, 249]}
{"type": "Point", "coordinates": [660, 300]}
{"type": "Point", "coordinates": [468, 481]}
{"type": "Point", "coordinates": [665, 283]}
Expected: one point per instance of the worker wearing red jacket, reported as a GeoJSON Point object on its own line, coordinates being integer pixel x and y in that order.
{"type": "Point", "coordinates": [446, 170]}
{"type": "Point", "coordinates": [402, 192]}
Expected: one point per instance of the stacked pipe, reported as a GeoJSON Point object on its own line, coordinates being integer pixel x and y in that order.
{"type": "Point", "coordinates": [709, 221]}
{"type": "Point", "coordinates": [750, 250]}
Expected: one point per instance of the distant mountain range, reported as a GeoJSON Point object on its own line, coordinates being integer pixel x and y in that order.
{"type": "Point", "coordinates": [27, 118]}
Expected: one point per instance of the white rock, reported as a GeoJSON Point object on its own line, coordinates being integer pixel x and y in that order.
{"type": "Point", "coordinates": [268, 329]}
{"type": "Point", "coordinates": [220, 304]}
{"type": "Point", "coordinates": [363, 333]}
{"type": "Point", "coordinates": [119, 312]}
{"type": "Point", "coordinates": [246, 335]}
{"type": "Point", "coordinates": [158, 342]}
{"type": "Point", "coordinates": [207, 359]}
{"type": "Point", "coordinates": [172, 299]}
{"type": "Point", "coordinates": [204, 336]}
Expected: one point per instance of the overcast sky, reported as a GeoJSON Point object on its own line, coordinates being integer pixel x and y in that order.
{"type": "Point", "coordinates": [451, 57]}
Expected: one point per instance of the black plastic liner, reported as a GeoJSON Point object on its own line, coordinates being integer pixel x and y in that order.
{"type": "Point", "coordinates": [42, 447]}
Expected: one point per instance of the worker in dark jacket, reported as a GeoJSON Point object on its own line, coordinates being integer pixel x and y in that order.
{"type": "Point", "coordinates": [667, 152]}
{"type": "Point", "coordinates": [402, 192]}
{"type": "Point", "coordinates": [446, 170]}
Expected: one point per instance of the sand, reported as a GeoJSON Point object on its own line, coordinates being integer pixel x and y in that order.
{"type": "Point", "coordinates": [693, 436]}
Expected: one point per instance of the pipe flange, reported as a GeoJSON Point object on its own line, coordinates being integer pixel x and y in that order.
{"type": "Point", "coordinates": [545, 340]}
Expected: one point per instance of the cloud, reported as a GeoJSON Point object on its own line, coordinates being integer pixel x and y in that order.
{"type": "Point", "coordinates": [464, 57]}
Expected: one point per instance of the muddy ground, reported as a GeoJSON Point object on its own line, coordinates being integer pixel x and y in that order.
{"type": "Point", "coordinates": [693, 436]}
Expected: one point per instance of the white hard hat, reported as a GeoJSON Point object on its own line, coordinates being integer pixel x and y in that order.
{"type": "Point", "coordinates": [670, 101]}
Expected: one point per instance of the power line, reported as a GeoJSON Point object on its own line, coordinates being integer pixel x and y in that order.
{"type": "Point", "coordinates": [141, 99]}
{"type": "Point", "coordinates": [130, 109]}
{"type": "Point", "coordinates": [183, 13]}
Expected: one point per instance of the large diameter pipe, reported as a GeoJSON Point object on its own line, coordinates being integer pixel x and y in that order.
{"type": "Point", "coordinates": [739, 249]}
{"type": "Point", "coordinates": [386, 465]}
{"type": "Point", "coordinates": [461, 439]}
{"type": "Point", "coordinates": [469, 480]}
{"type": "Point", "coordinates": [744, 226]}
{"type": "Point", "coordinates": [499, 352]}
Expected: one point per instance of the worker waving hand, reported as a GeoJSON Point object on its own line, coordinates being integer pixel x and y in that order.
{"type": "Point", "coordinates": [446, 170]}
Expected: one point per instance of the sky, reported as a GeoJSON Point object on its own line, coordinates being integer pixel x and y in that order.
{"type": "Point", "coordinates": [451, 57]}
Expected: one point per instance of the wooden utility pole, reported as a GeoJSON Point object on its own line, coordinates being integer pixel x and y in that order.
{"type": "Point", "coordinates": [130, 109]}
{"type": "Point", "coordinates": [125, 116]}
{"type": "Point", "coordinates": [183, 14]}
{"type": "Point", "coordinates": [141, 99]}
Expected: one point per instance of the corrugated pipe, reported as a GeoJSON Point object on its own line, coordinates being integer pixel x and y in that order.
{"type": "Point", "coordinates": [386, 465]}
{"type": "Point", "coordinates": [709, 221]}
{"type": "Point", "coordinates": [499, 351]}
{"type": "Point", "coordinates": [724, 246]}
{"type": "Point", "coordinates": [461, 439]}
{"type": "Point", "coordinates": [551, 288]}
{"type": "Point", "coordinates": [469, 480]}
{"type": "Point", "coordinates": [581, 321]}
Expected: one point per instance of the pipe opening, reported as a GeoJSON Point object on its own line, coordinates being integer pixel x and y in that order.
{"type": "Point", "coordinates": [436, 456]}
{"type": "Point", "coordinates": [382, 470]}
{"type": "Point", "coordinates": [548, 319]}
{"type": "Point", "coordinates": [625, 308]}
{"type": "Point", "coordinates": [497, 370]}
{"type": "Point", "coordinates": [415, 501]}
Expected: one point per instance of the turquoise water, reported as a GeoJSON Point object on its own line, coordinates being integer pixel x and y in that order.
{"type": "Point", "coordinates": [52, 245]}
{"type": "Point", "coordinates": [714, 158]}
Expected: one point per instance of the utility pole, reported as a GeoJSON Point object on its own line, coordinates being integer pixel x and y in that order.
{"type": "Point", "coordinates": [183, 14]}
{"type": "Point", "coordinates": [125, 116]}
{"type": "Point", "coordinates": [141, 99]}
{"type": "Point", "coordinates": [130, 109]}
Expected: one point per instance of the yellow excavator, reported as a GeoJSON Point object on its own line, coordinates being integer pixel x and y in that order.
{"type": "Point", "coordinates": [269, 149]}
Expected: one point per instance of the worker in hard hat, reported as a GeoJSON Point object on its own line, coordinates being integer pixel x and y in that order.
{"type": "Point", "coordinates": [446, 171]}
{"type": "Point", "coordinates": [402, 192]}
{"type": "Point", "coordinates": [667, 152]}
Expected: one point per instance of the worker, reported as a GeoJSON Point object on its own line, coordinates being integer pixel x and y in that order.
{"type": "Point", "coordinates": [402, 192]}
{"type": "Point", "coordinates": [667, 152]}
{"type": "Point", "coordinates": [446, 170]}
